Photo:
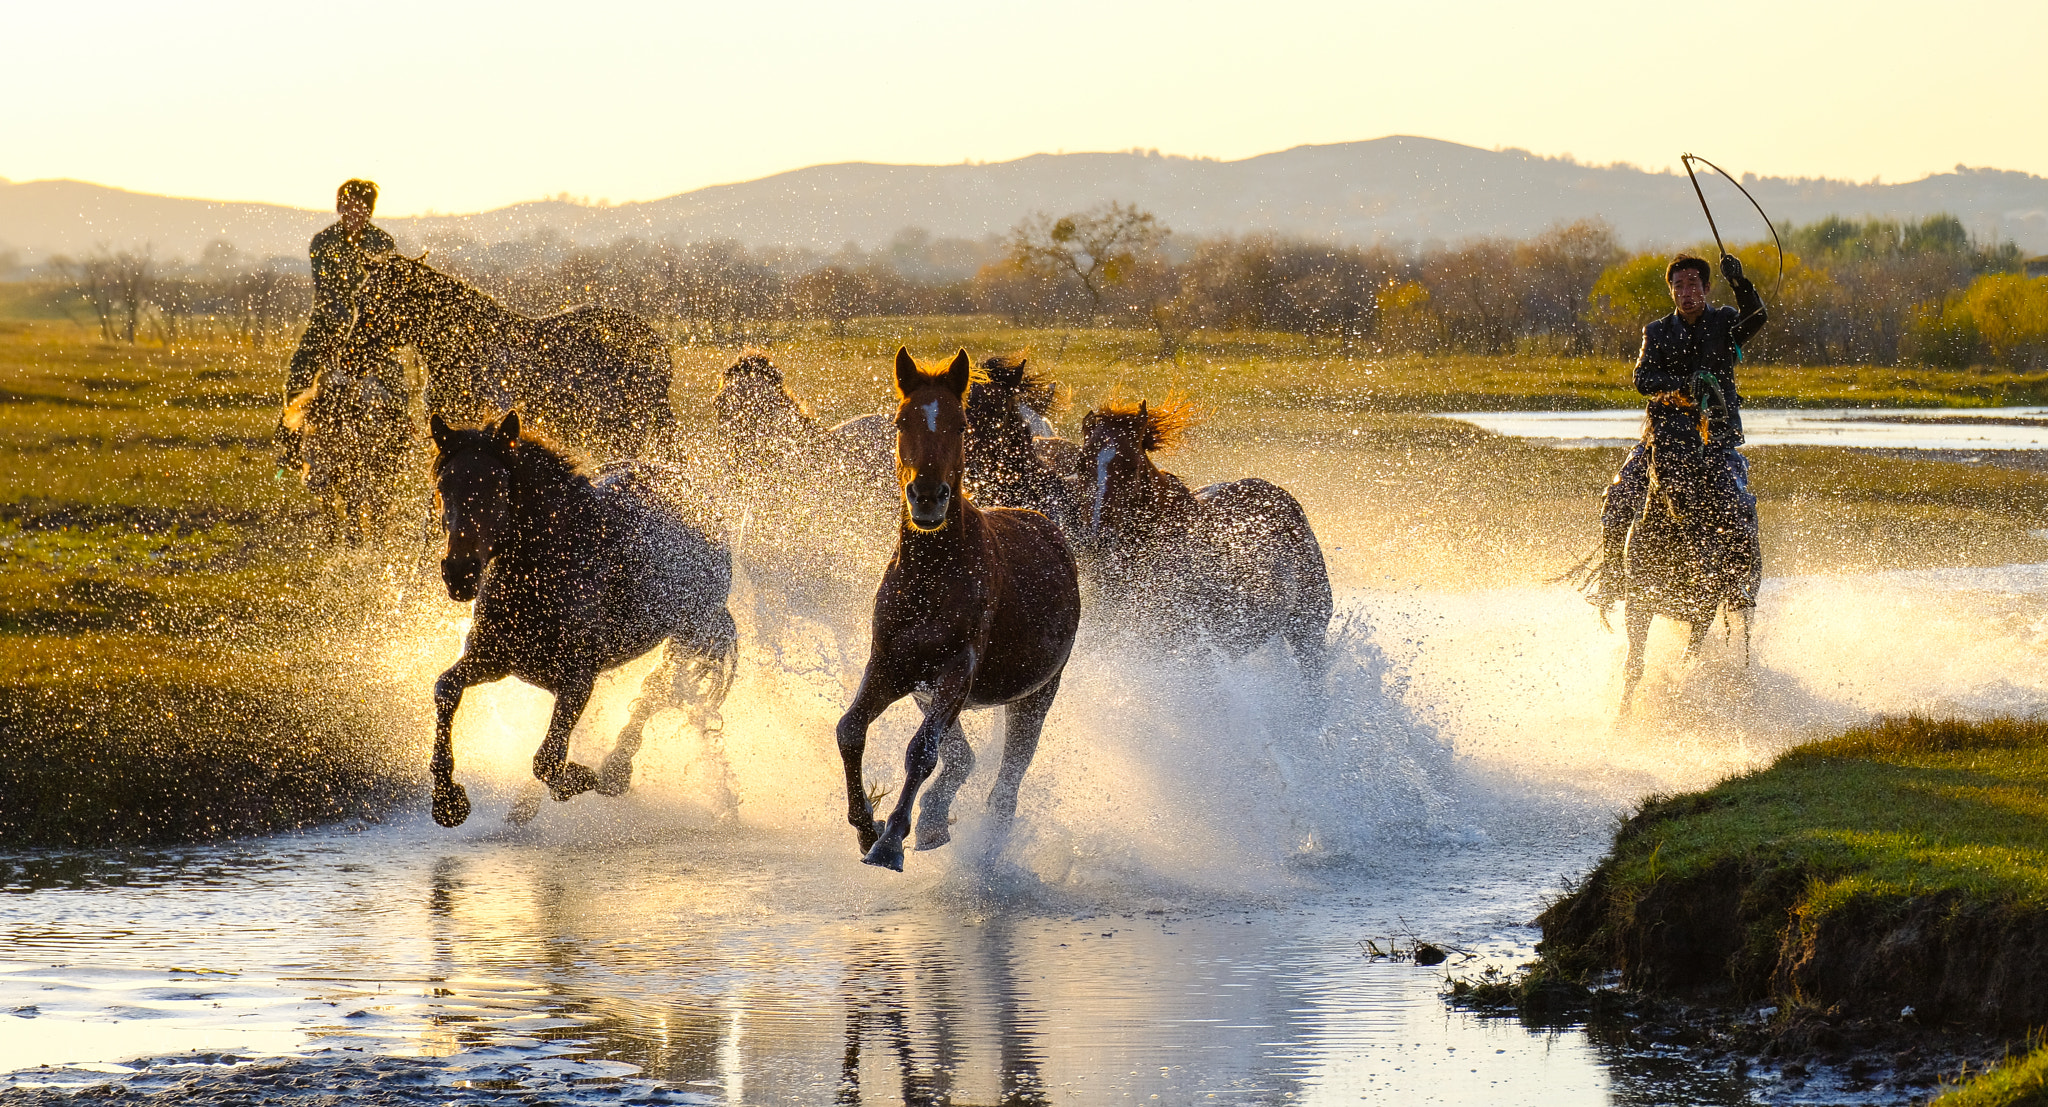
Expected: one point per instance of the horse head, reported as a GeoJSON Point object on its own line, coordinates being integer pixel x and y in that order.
{"type": "Point", "coordinates": [473, 489]}
{"type": "Point", "coordinates": [758, 414]}
{"type": "Point", "coordinates": [931, 437]}
{"type": "Point", "coordinates": [1118, 438]}
{"type": "Point", "coordinates": [390, 300]}
{"type": "Point", "coordinates": [1675, 429]}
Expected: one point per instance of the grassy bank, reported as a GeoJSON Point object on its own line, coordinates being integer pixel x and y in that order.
{"type": "Point", "coordinates": [1900, 865]}
{"type": "Point", "coordinates": [159, 604]}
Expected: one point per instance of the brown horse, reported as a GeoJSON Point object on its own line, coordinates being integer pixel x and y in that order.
{"type": "Point", "coordinates": [977, 609]}
{"type": "Point", "coordinates": [1234, 563]}
{"type": "Point", "coordinates": [1688, 554]}
{"type": "Point", "coordinates": [572, 575]}
{"type": "Point", "coordinates": [768, 430]}
{"type": "Point", "coordinates": [352, 433]}
{"type": "Point", "coordinates": [597, 375]}
{"type": "Point", "coordinates": [1009, 463]}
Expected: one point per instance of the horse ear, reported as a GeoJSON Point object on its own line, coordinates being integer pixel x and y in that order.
{"type": "Point", "coordinates": [1141, 409]}
{"type": "Point", "coordinates": [507, 430]}
{"type": "Point", "coordinates": [439, 427]}
{"type": "Point", "coordinates": [907, 372]}
{"type": "Point", "coordinates": [960, 374]}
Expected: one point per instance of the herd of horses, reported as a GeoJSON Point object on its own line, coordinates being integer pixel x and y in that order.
{"type": "Point", "coordinates": [577, 567]}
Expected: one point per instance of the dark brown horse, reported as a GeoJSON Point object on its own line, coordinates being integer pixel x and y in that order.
{"type": "Point", "coordinates": [977, 609]}
{"type": "Point", "coordinates": [768, 430]}
{"type": "Point", "coordinates": [572, 575]}
{"type": "Point", "coordinates": [595, 375]}
{"type": "Point", "coordinates": [1688, 554]}
{"type": "Point", "coordinates": [352, 434]}
{"type": "Point", "coordinates": [1235, 563]}
{"type": "Point", "coordinates": [1009, 463]}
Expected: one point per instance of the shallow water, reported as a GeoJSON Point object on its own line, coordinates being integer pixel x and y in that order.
{"type": "Point", "coordinates": [1985, 428]}
{"type": "Point", "coordinates": [1202, 849]}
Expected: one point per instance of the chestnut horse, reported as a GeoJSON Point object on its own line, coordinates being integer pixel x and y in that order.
{"type": "Point", "coordinates": [572, 575]}
{"type": "Point", "coordinates": [1235, 563]}
{"type": "Point", "coordinates": [1009, 462]}
{"type": "Point", "coordinates": [598, 375]}
{"type": "Point", "coordinates": [977, 609]}
{"type": "Point", "coordinates": [1688, 555]}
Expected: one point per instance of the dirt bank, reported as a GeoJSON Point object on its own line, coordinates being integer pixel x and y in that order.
{"type": "Point", "coordinates": [1898, 872]}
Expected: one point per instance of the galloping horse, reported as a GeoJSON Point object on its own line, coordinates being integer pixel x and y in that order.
{"type": "Point", "coordinates": [1687, 553]}
{"type": "Point", "coordinates": [1236, 563]}
{"type": "Point", "coordinates": [1009, 463]}
{"type": "Point", "coordinates": [977, 609]}
{"type": "Point", "coordinates": [353, 431]}
{"type": "Point", "coordinates": [572, 575]}
{"type": "Point", "coordinates": [598, 375]}
{"type": "Point", "coordinates": [767, 429]}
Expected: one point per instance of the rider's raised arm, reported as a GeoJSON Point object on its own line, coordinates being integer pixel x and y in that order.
{"type": "Point", "coordinates": [1750, 315]}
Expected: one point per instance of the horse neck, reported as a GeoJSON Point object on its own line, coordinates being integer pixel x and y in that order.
{"type": "Point", "coordinates": [457, 303]}
{"type": "Point", "coordinates": [1173, 503]}
{"type": "Point", "coordinates": [548, 496]}
{"type": "Point", "coordinates": [940, 552]}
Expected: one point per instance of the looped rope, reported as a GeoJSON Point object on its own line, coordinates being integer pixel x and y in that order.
{"type": "Point", "coordinates": [1688, 159]}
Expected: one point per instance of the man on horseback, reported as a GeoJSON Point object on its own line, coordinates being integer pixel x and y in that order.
{"type": "Point", "coordinates": [1694, 349]}
{"type": "Point", "coordinates": [337, 256]}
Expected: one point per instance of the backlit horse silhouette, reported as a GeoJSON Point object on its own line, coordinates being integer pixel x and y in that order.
{"type": "Point", "coordinates": [978, 608]}
{"type": "Point", "coordinates": [1235, 563]}
{"type": "Point", "coordinates": [572, 575]}
{"type": "Point", "coordinates": [353, 431]}
{"type": "Point", "coordinates": [597, 376]}
{"type": "Point", "coordinates": [768, 430]}
{"type": "Point", "coordinates": [1688, 553]}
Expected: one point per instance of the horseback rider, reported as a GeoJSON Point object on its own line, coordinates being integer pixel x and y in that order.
{"type": "Point", "coordinates": [337, 255]}
{"type": "Point", "coordinates": [1694, 349]}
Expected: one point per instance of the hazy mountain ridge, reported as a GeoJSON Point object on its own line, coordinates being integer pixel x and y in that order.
{"type": "Point", "coordinates": [1391, 189]}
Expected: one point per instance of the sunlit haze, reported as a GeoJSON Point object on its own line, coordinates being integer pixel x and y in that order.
{"type": "Point", "coordinates": [461, 107]}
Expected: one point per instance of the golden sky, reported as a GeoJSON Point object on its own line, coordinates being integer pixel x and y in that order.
{"type": "Point", "coordinates": [462, 107]}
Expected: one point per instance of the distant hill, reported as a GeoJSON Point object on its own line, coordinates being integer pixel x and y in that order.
{"type": "Point", "coordinates": [1398, 189]}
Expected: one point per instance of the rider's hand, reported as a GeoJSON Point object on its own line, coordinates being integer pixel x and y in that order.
{"type": "Point", "coordinates": [1731, 268]}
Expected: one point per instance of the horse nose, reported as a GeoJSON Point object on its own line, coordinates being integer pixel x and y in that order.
{"type": "Point", "coordinates": [460, 575]}
{"type": "Point", "coordinates": [928, 506]}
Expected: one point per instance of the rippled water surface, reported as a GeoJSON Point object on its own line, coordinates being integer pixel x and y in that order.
{"type": "Point", "coordinates": [1991, 428]}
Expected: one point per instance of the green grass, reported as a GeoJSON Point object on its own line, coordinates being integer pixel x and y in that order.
{"type": "Point", "coordinates": [2020, 1082]}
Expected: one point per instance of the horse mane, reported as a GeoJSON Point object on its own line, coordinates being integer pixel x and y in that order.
{"type": "Point", "coordinates": [1161, 426]}
{"type": "Point", "coordinates": [438, 280]}
{"type": "Point", "coordinates": [532, 454]}
{"type": "Point", "coordinates": [297, 408]}
{"type": "Point", "coordinates": [1013, 374]}
{"type": "Point", "coordinates": [975, 375]}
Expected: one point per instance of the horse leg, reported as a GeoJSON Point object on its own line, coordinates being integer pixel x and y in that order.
{"type": "Point", "coordinates": [615, 772]}
{"type": "Point", "coordinates": [451, 800]}
{"type": "Point", "coordinates": [1697, 636]}
{"type": "Point", "coordinates": [551, 765]}
{"type": "Point", "coordinates": [1022, 722]}
{"type": "Point", "coordinates": [934, 816]}
{"type": "Point", "coordinates": [1638, 618]}
{"type": "Point", "coordinates": [852, 732]}
{"type": "Point", "coordinates": [919, 760]}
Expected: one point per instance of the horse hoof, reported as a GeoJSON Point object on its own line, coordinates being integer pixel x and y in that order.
{"type": "Point", "coordinates": [932, 837]}
{"type": "Point", "coordinates": [524, 807]}
{"type": "Point", "coordinates": [887, 854]}
{"type": "Point", "coordinates": [451, 804]}
{"type": "Point", "coordinates": [570, 781]}
{"type": "Point", "coordinates": [614, 781]}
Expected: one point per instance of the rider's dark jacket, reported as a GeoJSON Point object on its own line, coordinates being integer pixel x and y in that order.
{"type": "Point", "coordinates": [337, 265]}
{"type": "Point", "coordinates": [1674, 350]}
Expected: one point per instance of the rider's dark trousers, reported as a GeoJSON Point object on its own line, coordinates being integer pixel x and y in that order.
{"type": "Point", "coordinates": [1631, 486]}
